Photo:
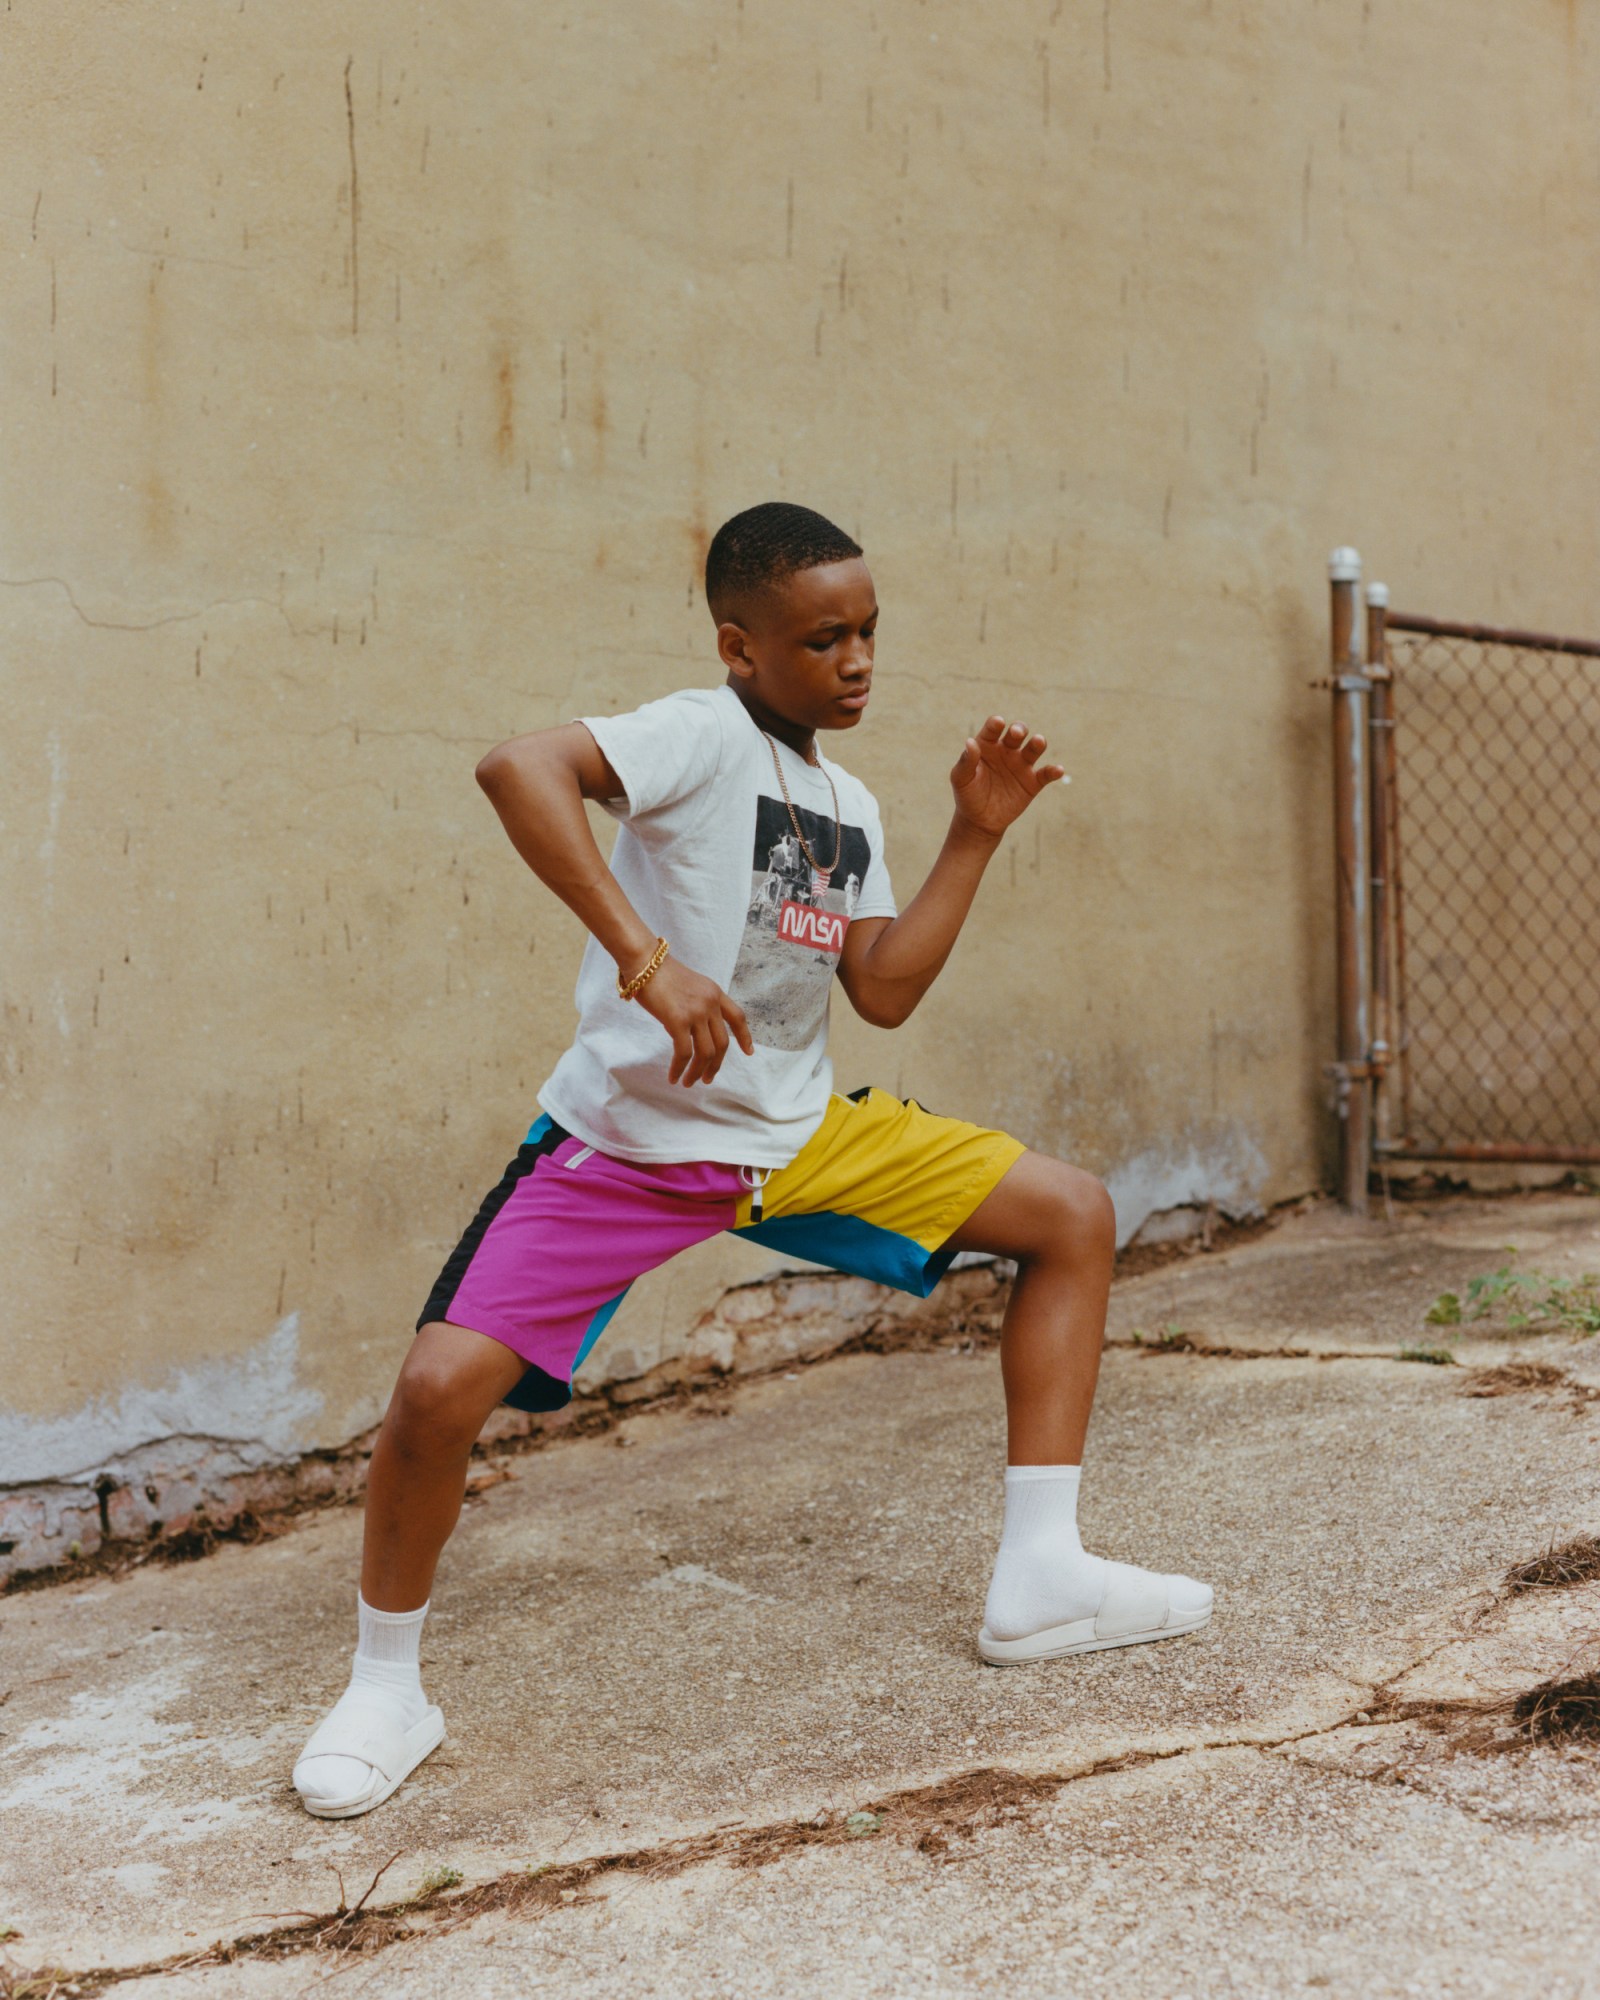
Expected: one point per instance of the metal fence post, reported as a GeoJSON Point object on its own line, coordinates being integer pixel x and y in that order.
{"type": "Point", "coordinates": [1351, 802]}
{"type": "Point", "coordinates": [1380, 730]}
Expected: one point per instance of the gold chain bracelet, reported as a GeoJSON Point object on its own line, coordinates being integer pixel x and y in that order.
{"type": "Point", "coordinates": [640, 980]}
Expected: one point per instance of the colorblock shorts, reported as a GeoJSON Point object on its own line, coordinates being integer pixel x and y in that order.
{"type": "Point", "coordinates": [876, 1191]}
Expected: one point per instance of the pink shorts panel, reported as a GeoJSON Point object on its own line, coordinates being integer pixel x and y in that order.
{"type": "Point", "coordinates": [559, 1240]}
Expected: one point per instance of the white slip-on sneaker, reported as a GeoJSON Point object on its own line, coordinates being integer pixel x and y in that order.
{"type": "Point", "coordinates": [1137, 1605]}
{"type": "Point", "coordinates": [364, 1726]}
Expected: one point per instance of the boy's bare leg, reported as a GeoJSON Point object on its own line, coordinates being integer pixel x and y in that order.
{"type": "Point", "coordinates": [1058, 1223]}
{"type": "Point", "coordinates": [1048, 1596]}
{"type": "Point", "coordinates": [383, 1725]}
{"type": "Point", "coordinates": [450, 1383]}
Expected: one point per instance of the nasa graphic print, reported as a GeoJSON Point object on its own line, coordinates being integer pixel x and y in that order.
{"type": "Point", "coordinates": [795, 924]}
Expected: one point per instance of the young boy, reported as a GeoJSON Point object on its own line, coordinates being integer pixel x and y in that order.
{"type": "Point", "coordinates": [696, 1097]}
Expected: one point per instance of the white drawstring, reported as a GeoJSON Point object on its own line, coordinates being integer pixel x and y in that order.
{"type": "Point", "coordinates": [755, 1178]}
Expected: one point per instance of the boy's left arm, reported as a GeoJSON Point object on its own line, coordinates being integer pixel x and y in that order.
{"type": "Point", "coordinates": [888, 963]}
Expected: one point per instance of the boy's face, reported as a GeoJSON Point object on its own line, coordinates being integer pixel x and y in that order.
{"type": "Point", "coordinates": [804, 652]}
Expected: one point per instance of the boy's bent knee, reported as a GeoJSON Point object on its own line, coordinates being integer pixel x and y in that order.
{"type": "Point", "coordinates": [1084, 1218]}
{"type": "Point", "coordinates": [435, 1403]}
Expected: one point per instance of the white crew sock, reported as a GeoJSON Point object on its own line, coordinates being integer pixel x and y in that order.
{"type": "Point", "coordinates": [390, 1638]}
{"type": "Point", "coordinates": [385, 1666]}
{"type": "Point", "coordinates": [1042, 1577]}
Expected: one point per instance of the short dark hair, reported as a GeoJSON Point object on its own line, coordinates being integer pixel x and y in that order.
{"type": "Point", "coordinates": [765, 545]}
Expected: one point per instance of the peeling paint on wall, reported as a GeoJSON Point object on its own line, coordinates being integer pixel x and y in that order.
{"type": "Point", "coordinates": [1226, 1173]}
{"type": "Point", "coordinates": [202, 1445]}
{"type": "Point", "coordinates": [254, 1403]}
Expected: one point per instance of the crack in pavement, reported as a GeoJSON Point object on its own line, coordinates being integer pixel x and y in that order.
{"type": "Point", "coordinates": [1396, 1777]}
{"type": "Point", "coordinates": [927, 1816]}
{"type": "Point", "coordinates": [1188, 1343]}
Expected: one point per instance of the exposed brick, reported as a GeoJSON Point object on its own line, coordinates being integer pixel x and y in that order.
{"type": "Point", "coordinates": [130, 1514]}
{"type": "Point", "coordinates": [47, 1524]}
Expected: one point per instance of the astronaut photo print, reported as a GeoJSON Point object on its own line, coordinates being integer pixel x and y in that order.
{"type": "Point", "coordinates": [795, 922]}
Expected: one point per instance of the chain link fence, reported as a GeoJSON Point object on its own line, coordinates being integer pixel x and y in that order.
{"type": "Point", "coordinates": [1496, 903]}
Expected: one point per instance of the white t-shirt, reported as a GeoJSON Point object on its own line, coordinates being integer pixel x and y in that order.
{"type": "Point", "coordinates": [706, 854]}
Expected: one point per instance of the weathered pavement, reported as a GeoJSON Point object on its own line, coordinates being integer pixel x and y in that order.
{"type": "Point", "coordinates": [699, 1650]}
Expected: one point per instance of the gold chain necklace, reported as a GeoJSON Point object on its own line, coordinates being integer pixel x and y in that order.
{"type": "Point", "coordinates": [794, 817]}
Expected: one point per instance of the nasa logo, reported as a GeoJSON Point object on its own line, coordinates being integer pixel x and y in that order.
{"type": "Point", "coordinates": [822, 930]}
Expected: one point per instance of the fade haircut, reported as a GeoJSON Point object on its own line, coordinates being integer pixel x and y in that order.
{"type": "Point", "coordinates": [762, 548]}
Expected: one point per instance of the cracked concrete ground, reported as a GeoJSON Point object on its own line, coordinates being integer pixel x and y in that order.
{"type": "Point", "coordinates": [673, 1669]}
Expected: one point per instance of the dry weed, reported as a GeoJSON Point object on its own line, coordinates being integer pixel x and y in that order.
{"type": "Point", "coordinates": [1577, 1561]}
{"type": "Point", "coordinates": [1560, 1713]}
{"type": "Point", "coordinates": [1522, 1378]}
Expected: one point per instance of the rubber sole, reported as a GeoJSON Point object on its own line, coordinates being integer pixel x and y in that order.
{"type": "Point", "coordinates": [422, 1738]}
{"type": "Point", "coordinates": [1057, 1641]}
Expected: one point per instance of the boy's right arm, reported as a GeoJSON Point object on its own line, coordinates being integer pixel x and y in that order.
{"type": "Point", "coordinates": [537, 784]}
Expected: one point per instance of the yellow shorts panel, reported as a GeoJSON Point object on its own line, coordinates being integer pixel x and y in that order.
{"type": "Point", "coordinates": [878, 1189]}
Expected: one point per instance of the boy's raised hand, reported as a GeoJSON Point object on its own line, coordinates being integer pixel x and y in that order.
{"type": "Point", "coordinates": [699, 1017]}
{"type": "Point", "coordinates": [998, 774]}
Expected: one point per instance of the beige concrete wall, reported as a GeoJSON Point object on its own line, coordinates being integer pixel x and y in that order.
{"type": "Point", "coordinates": [373, 380]}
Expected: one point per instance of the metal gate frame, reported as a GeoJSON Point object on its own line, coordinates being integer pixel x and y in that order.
{"type": "Point", "coordinates": [1369, 927]}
